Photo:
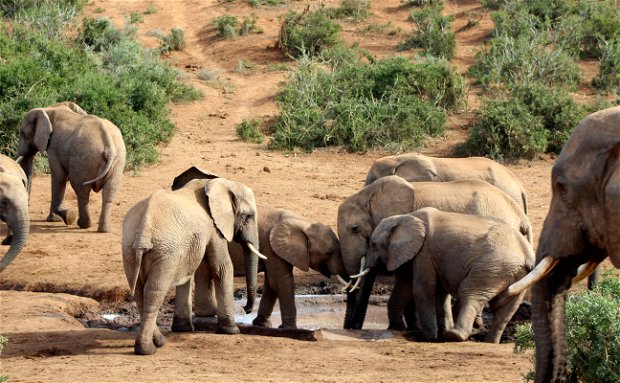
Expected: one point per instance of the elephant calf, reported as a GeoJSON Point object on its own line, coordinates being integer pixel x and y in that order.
{"type": "Point", "coordinates": [13, 208]}
{"type": "Point", "coordinates": [287, 240]}
{"type": "Point", "coordinates": [491, 255]}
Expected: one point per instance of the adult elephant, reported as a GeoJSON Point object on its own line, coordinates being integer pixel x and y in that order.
{"type": "Point", "coordinates": [359, 214]}
{"type": "Point", "coordinates": [491, 255]}
{"type": "Point", "coordinates": [167, 235]}
{"type": "Point", "coordinates": [581, 228]}
{"type": "Point", "coordinates": [287, 240]}
{"type": "Point", "coordinates": [86, 150]}
{"type": "Point", "coordinates": [13, 208]}
{"type": "Point", "coordinates": [418, 167]}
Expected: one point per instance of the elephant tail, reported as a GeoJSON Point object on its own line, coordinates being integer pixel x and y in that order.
{"type": "Point", "coordinates": [109, 154]}
{"type": "Point", "coordinates": [524, 199]}
{"type": "Point", "coordinates": [136, 272]}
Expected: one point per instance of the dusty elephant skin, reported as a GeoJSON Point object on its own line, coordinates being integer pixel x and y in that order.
{"type": "Point", "coordinates": [86, 150]}
{"type": "Point", "coordinates": [359, 214]}
{"type": "Point", "coordinates": [580, 228]}
{"type": "Point", "coordinates": [418, 167]}
{"type": "Point", "coordinates": [287, 240]}
{"type": "Point", "coordinates": [492, 255]}
{"type": "Point", "coordinates": [13, 208]}
{"type": "Point", "coordinates": [165, 238]}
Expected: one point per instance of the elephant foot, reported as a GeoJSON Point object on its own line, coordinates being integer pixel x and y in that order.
{"type": "Point", "coordinates": [181, 324]}
{"type": "Point", "coordinates": [479, 322]}
{"type": "Point", "coordinates": [159, 340]}
{"type": "Point", "coordinates": [230, 329]}
{"type": "Point", "coordinates": [54, 218]}
{"type": "Point", "coordinates": [104, 228]}
{"type": "Point", "coordinates": [83, 223]}
{"type": "Point", "coordinates": [7, 241]}
{"type": "Point", "coordinates": [141, 348]}
{"type": "Point", "coordinates": [397, 326]}
{"type": "Point", "coordinates": [288, 326]}
{"type": "Point", "coordinates": [454, 335]}
{"type": "Point", "coordinates": [262, 322]}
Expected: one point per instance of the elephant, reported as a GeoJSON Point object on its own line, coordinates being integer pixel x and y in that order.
{"type": "Point", "coordinates": [491, 255]}
{"type": "Point", "coordinates": [13, 208]}
{"type": "Point", "coordinates": [167, 235]}
{"type": "Point", "coordinates": [418, 167]}
{"type": "Point", "coordinates": [287, 240]}
{"type": "Point", "coordinates": [86, 150]}
{"type": "Point", "coordinates": [579, 231]}
{"type": "Point", "coordinates": [359, 214]}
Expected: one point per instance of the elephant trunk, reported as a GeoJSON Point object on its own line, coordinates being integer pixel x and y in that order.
{"type": "Point", "coordinates": [251, 270]}
{"type": "Point", "coordinates": [357, 301]}
{"type": "Point", "coordinates": [26, 163]}
{"type": "Point", "coordinates": [20, 228]}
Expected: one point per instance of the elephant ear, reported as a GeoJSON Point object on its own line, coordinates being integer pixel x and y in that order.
{"type": "Point", "coordinates": [74, 107]}
{"type": "Point", "coordinates": [290, 242]}
{"type": "Point", "coordinates": [221, 206]}
{"type": "Point", "coordinates": [405, 241]}
{"type": "Point", "coordinates": [612, 204]}
{"type": "Point", "coordinates": [417, 168]}
{"type": "Point", "coordinates": [392, 195]}
{"type": "Point", "coordinates": [40, 122]}
{"type": "Point", "coordinates": [191, 174]}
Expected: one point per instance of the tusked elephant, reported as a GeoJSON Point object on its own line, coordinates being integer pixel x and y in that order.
{"type": "Point", "coordinates": [472, 258]}
{"type": "Point", "coordinates": [167, 235]}
{"type": "Point", "coordinates": [359, 214]}
{"type": "Point", "coordinates": [580, 231]}
{"type": "Point", "coordinates": [86, 150]}
{"type": "Point", "coordinates": [13, 208]}
{"type": "Point", "coordinates": [418, 167]}
{"type": "Point", "coordinates": [287, 240]}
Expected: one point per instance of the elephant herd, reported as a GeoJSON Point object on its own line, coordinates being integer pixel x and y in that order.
{"type": "Point", "coordinates": [446, 228]}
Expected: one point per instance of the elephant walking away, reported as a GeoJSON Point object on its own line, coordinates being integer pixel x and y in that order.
{"type": "Point", "coordinates": [580, 231]}
{"type": "Point", "coordinates": [167, 235]}
{"type": "Point", "coordinates": [83, 149]}
{"type": "Point", "coordinates": [491, 255]}
{"type": "Point", "coordinates": [287, 240]}
{"type": "Point", "coordinates": [418, 167]}
{"type": "Point", "coordinates": [13, 208]}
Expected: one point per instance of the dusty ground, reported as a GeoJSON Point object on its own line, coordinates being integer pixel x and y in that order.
{"type": "Point", "coordinates": [48, 344]}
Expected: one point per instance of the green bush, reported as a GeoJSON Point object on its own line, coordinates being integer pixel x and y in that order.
{"type": "Point", "coordinates": [248, 24]}
{"type": "Point", "coordinates": [506, 130]}
{"type": "Point", "coordinates": [175, 41]}
{"type": "Point", "coordinates": [392, 104]}
{"type": "Point", "coordinates": [433, 33]}
{"type": "Point", "coordinates": [308, 33]}
{"type": "Point", "coordinates": [593, 333]}
{"type": "Point", "coordinates": [409, 3]}
{"type": "Point", "coordinates": [256, 3]}
{"type": "Point", "coordinates": [608, 78]}
{"type": "Point", "coordinates": [11, 8]}
{"type": "Point", "coordinates": [3, 341]}
{"type": "Point", "coordinates": [357, 9]}
{"type": "Point", "coordinates": [248, 130]}
{"type": "Point", "coordinates": [227, 26]}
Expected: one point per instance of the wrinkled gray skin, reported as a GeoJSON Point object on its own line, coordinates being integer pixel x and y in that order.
{"type": "Point", "coordinates": [83, 149]}
{"type": "Point", "coordinates": [359, 214]}
{"type": "Point", "coordinates": [415, 167]}
{"type": "Point", "coordinates": [582, 225]}
{"type": "Point", "coordinates": [13, 208]}
{"type": "Point", "coordinates": [167, 235]}
{"type": "Point", "coordinates": [491, 255]}
{"type": "Point", "coordinates": [287, 240]}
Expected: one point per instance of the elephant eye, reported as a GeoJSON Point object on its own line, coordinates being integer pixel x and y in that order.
{"type": "Point", "coordinates": [561, 188]}
{"type": "Point", "coordinates": [355, 229]}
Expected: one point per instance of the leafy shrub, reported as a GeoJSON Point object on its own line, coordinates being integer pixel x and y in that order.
{"type": "Point", "coordinates": [357, 9]}
{"type": "Point", "coordinates": [248, 24]}
{"type": "Point", "coordinates": [608, 78]}
{"type": "Point", "coordinates": [593, 333]}
{"type": "Point", "coordinates": [135, 17]}
{"type": "Point", "coordinates": [393, 104]}
{"type": "Point", "coordinates": [408, 3]}
{"type": "Point", "coordinates": [99, 34]}
{"type": "Point", "coordinates": [307, 33]}
{"type": "Point", "coordinates": [175, 41]}
{"type": "Point", "coordinates": [248, 130]}
{"type": "Point", "coordinates": [433, 33]}
{"type": "Point", "coordinates": [599, 22]}
{"type": "Point", "coordinates": [256, 3]}
{"type": "Point", "coordinates": [10, 8]}
{"type": "Point", "coordinates": [3, 341]}
{"type": "Point", "coordinates": [227, 25]}
{"type": "Point", "coordinates": [506, 130]}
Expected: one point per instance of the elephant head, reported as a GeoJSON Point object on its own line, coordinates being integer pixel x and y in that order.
{"type": "Point", "coordinates": [580, 228]}
{"type": "Point", "coordinates": [14, 211]}
{"type": "Point", "coordinates": [233, 208]}
{"type": "Point", "coordinates": [358, 216]}
{"type": "Point", "coordinates": [395, 241]}
{"type": "Point", "coordinates": [307, 245]}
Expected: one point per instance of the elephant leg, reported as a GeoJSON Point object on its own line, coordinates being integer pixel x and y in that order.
{"type": "Point", "coordinates": [470, 307]}
{"type": "Point", "coordinates": [425, 301]}
{"type": "Point", "coordinates": [218, 259]}
{"type": "Point", "coordinates": [182, 319]}
{"type": "Point", "coordinates": [503, 308]}
{"type": "Point", "coordinates": [83, 199]}
{"type": "Point", "coordinates": [400, 297]}
{"type": "Point", "coordinates": [267, 302]}
{"type": "Point", "coordinates": [58, 210]}
{"type": "Point", "coordinates": [149, 337]}
{"type": "Point", "coordinates": [444, 310]}
{"type": "Point", "coordinates": [205, 304]}
{"type": "Point", "coordinates": [107, 200]}
{"type": "Point", "coordinates": [285, 291]}
{"type": "Point", "coordinates": [158, 338]}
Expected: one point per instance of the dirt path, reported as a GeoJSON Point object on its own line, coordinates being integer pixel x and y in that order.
{"type": "Point", "coordinates": [47, 344]}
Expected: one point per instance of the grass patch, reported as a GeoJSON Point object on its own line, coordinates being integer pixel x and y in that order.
{"type": "Point", "coordinates": [433, 33]}
{"type": "Point", "coordinates": [608, 79]}
{"type": "Point", "coordinates": [228, 26]}
{"type": "Point", "coordinates": [248, 131]}
{"type": "Point", "coordinates": [175, 41]}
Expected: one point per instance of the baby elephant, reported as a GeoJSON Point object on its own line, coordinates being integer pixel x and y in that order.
{"type": "Point", "coordinates": [13, 208]}
{"type": "Point", "coordinates": [472, 258]}
{"type": "Point", "coordinates": [287, 240]}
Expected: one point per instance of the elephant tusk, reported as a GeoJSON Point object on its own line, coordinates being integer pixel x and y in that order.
{"type": "Point", "coordinates": [254, 251]}
{"type": "Point", "coordinates": [543, 268]}
{"type": "Point", "coordinates": [356, 285]}
{"type": "Point", "coordinates": [346, 284]}
{"type": "Point", "coordinates": [361, 274]}
{"type": "Point", "coordinates": [584, 271]}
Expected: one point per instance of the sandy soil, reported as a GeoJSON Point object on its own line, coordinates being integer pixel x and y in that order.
{"type": "Point", "coordinates": [39, 298]}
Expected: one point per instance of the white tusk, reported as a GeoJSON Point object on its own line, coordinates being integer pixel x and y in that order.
{"type": "Point", "coordinates": [356, 285]}
{"type": "Point", "coordinates": [584, 271]}
{"type": "Point", "coordinates": [341, 280]}
{"type": "Point", "coordinates": [543, 268]}
{"type": "Point", "coordinates": [364, 272]}
{"type": "Point", "coordinates": [362, 263]}
{"type": "Point", "coordinates": [254, 251]}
